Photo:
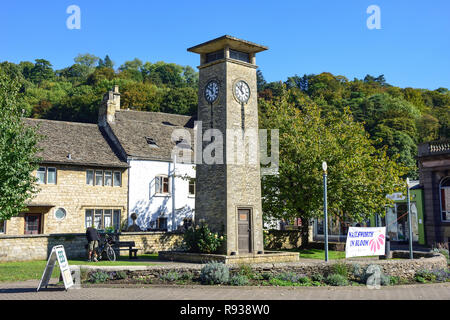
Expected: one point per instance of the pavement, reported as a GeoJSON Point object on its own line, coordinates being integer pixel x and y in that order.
{"type": "Point", "coordinates": [26, 290]}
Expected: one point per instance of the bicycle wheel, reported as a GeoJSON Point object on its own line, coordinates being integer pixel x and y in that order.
{"type": "Point", "coordinates": [110, 253]}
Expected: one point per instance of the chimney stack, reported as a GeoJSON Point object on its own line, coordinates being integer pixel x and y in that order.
{"type": "Point", "coordinates": [109, 106]}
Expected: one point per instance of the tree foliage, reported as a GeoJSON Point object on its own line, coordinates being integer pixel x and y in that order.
{"type": "Point", "coordinates": [17, 152]}
{"type": "Point", "coordinates": [359, 175]}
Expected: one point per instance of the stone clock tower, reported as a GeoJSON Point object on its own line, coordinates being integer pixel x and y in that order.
{"type": "Point", "coordinates": [228, 193]}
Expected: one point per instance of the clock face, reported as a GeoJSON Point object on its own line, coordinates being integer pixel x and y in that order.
{"type": "Point", "coordinates": [211, 91]}
{"type": "Point", "coordinates": [242, 91]}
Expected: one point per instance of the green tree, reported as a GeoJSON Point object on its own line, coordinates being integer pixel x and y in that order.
{"type": "Point", "coordinates": [41, 71]}
{"type": "Point", "coordinates": [17, 153]}
{"type": "Point", "coordinates": [106, 63]}
{"type": "Point", "coordinates": [359, 175]}
{"type": "Point", "coordinates": [86, 59]}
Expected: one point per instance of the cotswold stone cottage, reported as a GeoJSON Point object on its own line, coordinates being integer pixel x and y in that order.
{"type": "Point", "coordinates": [81, 178]}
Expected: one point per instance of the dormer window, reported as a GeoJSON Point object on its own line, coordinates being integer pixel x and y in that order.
{"type": "Point", "coordinates": [151, 142]}
{"type": "Point", "coordinates": [167, 123]}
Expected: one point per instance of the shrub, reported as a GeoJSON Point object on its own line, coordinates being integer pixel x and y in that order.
{"type": "Point", "coordinates": [215, 273]}
{"type": "Point", "coordinates": [120, 275]}
{"type": "Point", "coordinates": [341, 269]}
{"type": "Point", "coordinates": [336, 280]}
{"type": "Point", "coordinates": [440, 275]}
{"type": "Point", "coordinates": [267, 275]}
{"type": "Point", "coordinates": [317, 277]}
{"type": "Point", "coordinates": [394, 280]}
{"type": "Point", "coordinates": [239, 280]}
{"type": "Point", "coordinates": [287, 276]}
{"type": "Point", "coordinates": [304, 280]}
{"type": "Point", "coordinates": [170, 276]}
{"type": "Point", "coordinates": [98, 277]}
{"type": "Point", "coordinates": [247, 271]}
{"type": "Point", "coordinates": [200, 239]}
{"type": "Point", "coordinates": [187, 276]}
{"type": "Point", "coordinates": [282, 283]}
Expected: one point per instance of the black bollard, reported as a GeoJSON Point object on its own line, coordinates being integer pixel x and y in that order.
{"type": "Point", "coordinates": [388, 247]}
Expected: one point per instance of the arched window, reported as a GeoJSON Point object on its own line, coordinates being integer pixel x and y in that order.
{"type": "Point", "coordinates": [444, 191]}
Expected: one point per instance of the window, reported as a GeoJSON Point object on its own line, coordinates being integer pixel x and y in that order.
{"type": "Point", "coordinates": [117, 178]}
{"type": "Point", "coordinates": [32, 224]}
{"type": "Point", "coordinates": [192, 187]}
{"type": "Point", "coordinates": [444, 191]}
{"type": "Point", "coordinates": [60, 214]}
{"type": "Point", "coordinates": [2, 226]}
{"type": "Point", "coordinates": [98, 219]}
{"type": "Point", "coordinates": [108, 178]}
{"type": "Point", "coordinates": [41, 174]}
{"type": "Point", "coordinates": [98, 178]}
{"type": "Point", "coordinates": [51, 175]}
{"type": "Point", "coordinates": [46, 175]}
{"type": "Point", "coordinates": [214, 56]}
{"type": "Point", "coordinates": [90, 177]}
{"type": "Point", "coordinates": [161, 223]}
{"type": "Point", "coordinates": [238, 55]}
{"type": "Point", "coordinates": [88, 218]}
{"type": "Point", "coordinates": [107, 218]}
{"type": "Point", "coordinates": [161, 184]}
{"type": "Point", "coordinates": [103, 218]}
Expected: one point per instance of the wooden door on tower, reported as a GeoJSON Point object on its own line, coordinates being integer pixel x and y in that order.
{"type": "Point", "coordinates": [244, 230]}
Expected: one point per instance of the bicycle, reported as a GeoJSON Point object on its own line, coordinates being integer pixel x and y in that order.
{"type": "Point", "coordinates": [106, 249]}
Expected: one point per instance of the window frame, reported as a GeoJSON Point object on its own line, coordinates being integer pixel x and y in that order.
{"type": "Point", "coordinates": [95, 178]}
{"type": "Point", "coordinates": [160, 191]}
{"type": "Point", "coordinates": [65, 214]}
{"type": "Point", "coordinates": [190, 183]}
{"type": "Point", "coordinates": [114, 213]}
{"type": "Point", "coordinates": [56, 175]}
{"type": "Point", "coordinates": [3, 226]}
{"type": "Point", "coordinates": [442, 203]}
{"type": "Point", "coordinates": [110, 172]}
{"type": "Point", "coordinates": [45, 175]}
{"type": "Point", "coordinates": [114, 179]}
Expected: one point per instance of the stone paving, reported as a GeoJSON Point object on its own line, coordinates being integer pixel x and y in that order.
{"type": "Point", "coordinates": [26, 290]}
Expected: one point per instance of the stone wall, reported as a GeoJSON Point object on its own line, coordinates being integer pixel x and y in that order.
{"type": "Point", "coordinates": [38, 247]}
{"type": "Point", "coordinates": [404, 268]}
{"type": "Point", "coordinates": [283, 239]}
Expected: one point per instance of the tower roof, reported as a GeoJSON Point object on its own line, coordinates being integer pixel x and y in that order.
{"type": "Point", "coordinates": [232, 42]}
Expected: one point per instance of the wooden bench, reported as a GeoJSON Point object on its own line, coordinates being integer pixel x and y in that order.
{"type": "Point", "coordinates": [127, 245]}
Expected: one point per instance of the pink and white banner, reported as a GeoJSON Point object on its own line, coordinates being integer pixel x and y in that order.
{"type": "Point", "coordinates": [363, 242]}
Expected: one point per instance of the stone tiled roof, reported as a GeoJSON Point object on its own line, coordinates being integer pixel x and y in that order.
{"type": "Point", "coordinates": [147, 135]}
{"type": "Point", "coordinates": [86, 144]}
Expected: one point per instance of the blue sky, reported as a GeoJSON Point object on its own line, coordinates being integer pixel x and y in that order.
{"type": "Point", "coordinates": [412, 48]}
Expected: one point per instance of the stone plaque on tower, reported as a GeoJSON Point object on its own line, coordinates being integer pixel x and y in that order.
{"type": "Point", "coordinates": [228, 182]}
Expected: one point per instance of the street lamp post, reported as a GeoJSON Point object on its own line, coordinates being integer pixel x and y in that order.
{"type": "Point", "coordinates": [409, 220]}
{"type": "Point", "coordinates": [325, 213]}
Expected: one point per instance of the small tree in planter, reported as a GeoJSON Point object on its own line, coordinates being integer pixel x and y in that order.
{"type": "Point", "coordinates": [200, 239]}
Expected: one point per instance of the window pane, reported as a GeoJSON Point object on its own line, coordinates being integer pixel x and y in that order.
{"type": "Point", "coordinates": [2, 226]}
{"type": "Point", "coordinates": [165, 185]}
{"type": "Point", "coordinates": [41, 175]}
{"type": "Point", "coordinates": [192, 186]}
{"type": "Point", "coordinates": [117, 178]}
{"type": "Point", "coordinates": [98, 178]}
{"type": "Point", "coordinates": [88, 218]}
{"type": "Point", "coordinates": [116, 219]}
{"type": "Point", "coordinates": [98, 219]}
{"type": "Point", "coordinates": [90, 177]}
{"type": "Point", "coordinates": [158, 185]}
{"type": "Point", "coordinates": [108, 178]}
{"type": "Point", "coordinates": [51, 175]}
{"type": "Point", "coordinates": [107, 218]}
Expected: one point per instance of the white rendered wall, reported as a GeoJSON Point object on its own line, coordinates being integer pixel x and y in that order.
{"type": "Point", "coordinates": [147, 204]}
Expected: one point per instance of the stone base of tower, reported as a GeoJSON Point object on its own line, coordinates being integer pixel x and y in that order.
{"type": "Point", "coordinates": [250, 258]}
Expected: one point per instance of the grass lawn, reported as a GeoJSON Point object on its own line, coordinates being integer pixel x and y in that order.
{"type": "Point", "coordinates": [320, 254]}
{"type": "Point", "coordinates": [33, 270]}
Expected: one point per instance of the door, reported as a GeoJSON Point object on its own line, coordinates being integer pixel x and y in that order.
{"type": "Point", "coordinates": [244, 231]}
{"type": "Point", "coordinates": [32, 224]}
